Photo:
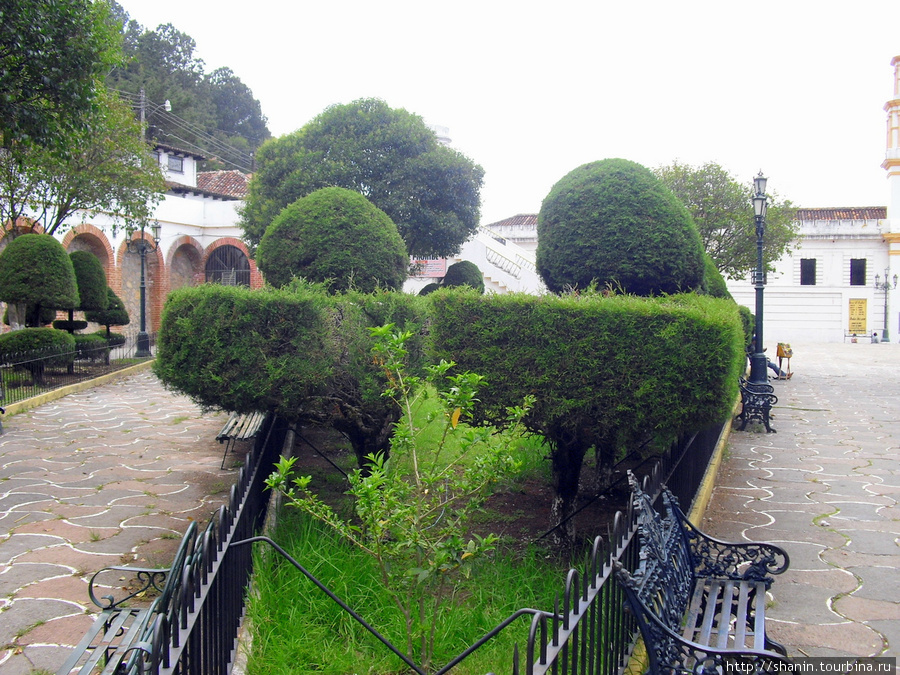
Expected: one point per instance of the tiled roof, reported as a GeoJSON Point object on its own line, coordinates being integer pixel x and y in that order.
{"type": "Point", "coordinates": [843, 213]}
{"type": "Point", "coordinates": [521, 220]}
{"type": "Point", "coordinates": [181, 188]}
{"type": "Point", "coordinates": [229, 183]}
{"type": "Point", "coordinates": [173, 150]}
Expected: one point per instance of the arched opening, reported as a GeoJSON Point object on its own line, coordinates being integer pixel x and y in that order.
{"type": "Point", "coordinates": [227, 265]}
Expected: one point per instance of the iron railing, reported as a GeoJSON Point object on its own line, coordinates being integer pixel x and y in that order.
{"type": "Point", "coordinates": [589, 632]}
{"type": "Point", "coordinates": [198, 636]}
{"type": "Point", "coordinates": [27, 374]}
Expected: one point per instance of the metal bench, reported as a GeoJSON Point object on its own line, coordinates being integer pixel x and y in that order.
{"type": "Point", "coordinates": [239, 427]}
{"type": "Point", "coordinates": [699, 602]}
{"type": "Point", "coordinates": [756, 404]}
{"type": "Point", "coordinates": [119, 639]}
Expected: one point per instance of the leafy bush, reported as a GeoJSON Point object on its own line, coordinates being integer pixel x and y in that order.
{"type": "Point", "coordinates": [614, 373]}
{"type": "Point", "coordinates": [35, 270]}
{"type": "Point", "coordinates": [337, 237]}
{"type": "Point", "coordinates": [115, 313]}
{"type": "Point", "coordinates": [614, 224]}
{"type": "Point", "coordinates": [91, 279]}
{"type": "Point", "coordinates": [70, 326]}
{"type": "Point", "coordinates": [713, 281]}
{"type": "Point", "coordinates": [24, 347]}
{"type": "Point", "coordinates": [464, 273]}
{"type": "Point", "coordinates": [91, 347]}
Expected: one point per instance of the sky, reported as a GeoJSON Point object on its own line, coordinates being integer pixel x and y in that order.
{"type": "Point", "coordinates": [531, 90]}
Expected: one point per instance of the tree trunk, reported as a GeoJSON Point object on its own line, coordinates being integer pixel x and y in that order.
{"type": "Point", "coordinates": [567, 458]}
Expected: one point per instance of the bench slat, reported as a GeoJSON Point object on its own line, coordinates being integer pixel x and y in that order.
{"type": "Point", "coordinates": [740, 630]}
{"type": "Point", "coordinates": [759, 601]}
{"type": "Point", "coordinates": [724, 626]}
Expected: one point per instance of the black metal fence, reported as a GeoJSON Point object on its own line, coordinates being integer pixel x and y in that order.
{"type": "Point", "coordinates": [198, 636]}
{"type": "Point", "coordinates": [27, 374]}
{"type": "Point", "coordinates": [589, 632]}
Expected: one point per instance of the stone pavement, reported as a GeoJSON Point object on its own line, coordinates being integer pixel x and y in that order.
{"type": "Point", "coordinates": [110, 475]}
{"type": "Point", "coordinates": [826, 487]}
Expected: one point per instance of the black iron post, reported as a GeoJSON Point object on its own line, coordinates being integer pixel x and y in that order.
{"type": "Point", "coordinates": [758, 363]}
{"type": "Point", "coordinates": [141, 246]}
{"type": "Point", "coordinates": [886, 287]}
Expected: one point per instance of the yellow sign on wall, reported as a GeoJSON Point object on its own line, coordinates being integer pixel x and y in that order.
{"type": "Point", "coordinates": [858, 313]}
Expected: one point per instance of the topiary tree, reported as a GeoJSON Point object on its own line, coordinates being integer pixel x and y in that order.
{"type": "Point", "coordinates": [713, 281]}
{"type": "Point", "coordinates": [464, 273]}
{"type": "Point", "coordinates": [19, 347]}
{"type": "Point", "coordinates": [35, 270]}
{"type": "Point", "coordinates": [114, 314]}
{"type": "Point", "coordinates": [337, 237]}
{"type": "Point", "coordinates": [613, 223]}
{"type": "Point", "coordinates": [91, 279]}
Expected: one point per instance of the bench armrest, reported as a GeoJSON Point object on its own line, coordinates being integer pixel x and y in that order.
{"type": "Point", "coordinates": [752, 560]}
{"type": "Point", "coordinates": [148, 580]}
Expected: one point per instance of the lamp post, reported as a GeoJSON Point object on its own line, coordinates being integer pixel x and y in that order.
{"type": "Point", "coordinates": [758, 363]}
{"type": "Point", "coordinates": [140, 246]}
{"type": "Point", "coordinates": [886, 287]}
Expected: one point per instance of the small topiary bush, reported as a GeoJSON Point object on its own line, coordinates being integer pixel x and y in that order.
{"type": "Point", "coordinates": [21, 347]}
{"type": "Point", "coordinates": [91, 347]}
{"type": "Point", "coordinates": [464, 273]}
{"type": "Point", "coordinates": [70, 326]}
{"type": "Point", "coordinates": [336, 237]}
{"type": "Point", "coordinates": [613, 223]}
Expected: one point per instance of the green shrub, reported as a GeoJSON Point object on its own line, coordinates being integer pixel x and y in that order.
{"type": "Point", "coordinates": [35, 270]}
{"type": "Point", "coordinates": [464, 273]}
{"type": "Point", "coordinates": [115, 313]}
{"type": "Point", "coordinates": [91, 279]}
{"type": "Point", "coordinates": [91, 347]}
{"type": "Point", "coordinates": [429, 288]}
{"type": "Point", "coordinates": [69, 326]}
{"type": "Point", "coordinates": [336, 237]}
{"type": "Point", "coordinates": [22, 347]}
{"type": "Point", "coordinates": [613, 373]}
{"type": "Point", "coordinates": [614, 224]}
{"type": "Point", "coordinates": [713, 281]}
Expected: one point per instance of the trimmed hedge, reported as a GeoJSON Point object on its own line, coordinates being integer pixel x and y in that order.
{"type": "Point", "coordinates": [36, 342]}
{"type": "Point", "coordinates": [35, 269]}
{"type": "Point", "coordinates": [610, 373]}
{"type": "Point", "coordinates": [464, 273]}
{"type": "Point", "coordinates": [297, 351]}
{"type": "Point", "coordinates": [91, 347]}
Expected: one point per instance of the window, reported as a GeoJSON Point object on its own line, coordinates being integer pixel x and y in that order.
{"type": "Point", "coordinates": [227, 265]}
{"type": "Point", "coordinates": [807, 271]}
{"type": "Point", "coordinates": [176, 164]}
{"type": "Point", "coordinates": [857, 271]}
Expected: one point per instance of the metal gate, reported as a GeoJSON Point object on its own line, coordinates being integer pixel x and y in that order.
{"type": "Point", "coordinates": [228, 265]}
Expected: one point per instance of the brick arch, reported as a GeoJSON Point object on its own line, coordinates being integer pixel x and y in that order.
{"type": "Point", "coordinates": [128, 265]}
{"type": "Point", "coordinates": [91, 238]}
{"type": "Point", "coordinates": [256, 280]}
{"type": "Point", "coordinates": [185, 263]}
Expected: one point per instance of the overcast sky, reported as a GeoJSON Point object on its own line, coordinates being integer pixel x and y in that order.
{"type": "Point", "coordinates": [532, 90]}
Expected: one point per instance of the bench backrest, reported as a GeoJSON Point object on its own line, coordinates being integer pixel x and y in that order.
{"type": "Point", "coordinates": [664, 578]}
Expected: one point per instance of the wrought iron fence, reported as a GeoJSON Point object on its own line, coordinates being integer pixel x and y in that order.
{"type": "Point", "coordinates": [589, 632]}
{"type": "Point", "coordinates": [27, 374]}
{"type": "Point", "coordinates": [198, 636]}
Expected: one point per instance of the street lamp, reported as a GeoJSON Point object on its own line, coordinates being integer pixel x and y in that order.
{"type": "Point", "coordinates": [758, 362]}
{"type": "Point", "coordinates": [140, 246]}
{"type": "Point", "coordinates": [886, 287]}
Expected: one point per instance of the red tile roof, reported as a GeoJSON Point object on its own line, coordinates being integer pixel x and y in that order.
{"type": "Point", "coordinates": [843, 213]}
{"type": "Point", "coordinates": [229, 183]}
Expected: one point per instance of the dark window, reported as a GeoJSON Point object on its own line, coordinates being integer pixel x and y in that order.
{"type": "Point", "coordinates": [228, 265]}
{"type": "Point", "coordinates": [176, 164]}
{"type": "Point", "coordinates": [807, 271]}
{"type": "Point", "coordinates": [857, 271]}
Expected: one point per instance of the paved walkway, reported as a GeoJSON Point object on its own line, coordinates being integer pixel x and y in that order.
{"type": "Point", "coordinates": [826, 487]}
{"type": "Point", "coordinates": [107, 476]}
{"type": "Point", "coordinates": [111, 475]}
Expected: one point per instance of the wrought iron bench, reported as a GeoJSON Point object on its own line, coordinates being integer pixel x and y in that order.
{"type": "Point", "coordinates": [119, 638]}
{"type": "Point", "coordinates": [699, 602]}
{"type": "Point", "coordinates": [239, 427]}
{"type": "Point", "coordinates": [756, 404]}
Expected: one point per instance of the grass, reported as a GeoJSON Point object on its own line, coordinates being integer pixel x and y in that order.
{"type": "Point", "coordinates": [297, 628]}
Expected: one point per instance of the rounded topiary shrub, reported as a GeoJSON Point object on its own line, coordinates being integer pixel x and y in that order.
{"type": "Point", "coordinates": [115, 313]}
{"type": "Point", "coordinates": [70, 326]}
{"type": "Point", "coordinates": [713, 281]}
{"type": "Point", "coordinates": [91, 347]}
{"type": "Point", "coordinates": [91, 280]}
{"type": "Point", "coordinates": [613, 223]}
{"type": "Point", "coordinates": [429, 288]}
{"type": "Point", "coordinates": [21, 347]}
{"type": "Point", "coordinates": [336, 237]}
{"type": "Point", "coordinates": [36, 270]}
{"type": "Point", "coordinates": [464, 273]}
